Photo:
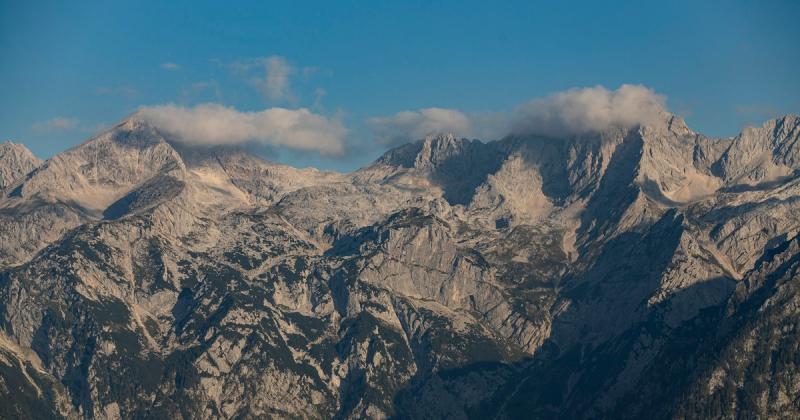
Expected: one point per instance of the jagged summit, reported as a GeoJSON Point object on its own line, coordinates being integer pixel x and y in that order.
{"type": "Point", "coordinates": [15, 162]}
{"type": "Point", "coordinates": [424, 152]}
{"type": "Point", "coordinates": [122, 156]}
{"type": "Point", "coordinates": [762, 154]}
{"type": "Point", "coordinates": [671, 123]}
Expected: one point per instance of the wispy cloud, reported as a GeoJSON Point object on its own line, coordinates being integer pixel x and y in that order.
{"type": "Point", "coordinates": [213, 124]}
{"type": "Point", "coordinates": [567, 113]}
{"type": "Point", "coordinates": [64, 124]}
{"type": "Point", "coordinates": [170, 66]}
{"type": "Point", "coordinates": [274, 77]}
{"type": "Point", "coordinates": [270, 75]}
{"type": "Point", "coordinates": [57, 124]}
{"type": "Point", "coordinates": [309, 72]}
{"type": "Point", "coordinates": [319, 95]}
{"type": "Point", "coordinates": [275, 84]}
{"type": "Point", "coordinates": [126, 91]}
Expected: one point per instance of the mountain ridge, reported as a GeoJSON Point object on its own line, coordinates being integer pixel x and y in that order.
{"type": "Point", "coordinates": [532, 275]}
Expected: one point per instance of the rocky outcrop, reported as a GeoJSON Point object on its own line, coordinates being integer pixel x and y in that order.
{"type": "Point", "coordinates": [16, 161]}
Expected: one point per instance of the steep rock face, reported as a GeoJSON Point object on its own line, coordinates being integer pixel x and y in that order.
{"type": "Point", "coordinates": [95, 173]}
{"type": "Point", "coordinates": [414, 256]}
{"type": "Point", "coordinates": [638, 270]}
{"type": "Point", "coordinates": [263, 181]}
{"type": "Point", "coordinates": [669, 170]}
{"type": "Point", "coordinates": [15, 162]}
{"type": "Point", "coordinates": [454, 166]}
{"type": "Point", "coordinates": [764, 154]}
{"type": "Point", "coordinates": [79, 185]}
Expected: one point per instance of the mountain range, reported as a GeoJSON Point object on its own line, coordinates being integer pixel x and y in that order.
{"type": "Point", "coordinates": [646, 271]}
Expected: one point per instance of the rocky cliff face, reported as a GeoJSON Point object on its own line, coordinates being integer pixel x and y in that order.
{"type": "Point", "coordinates": [636, 271]}
{"type": "Point", "coordinates": [15, 162]}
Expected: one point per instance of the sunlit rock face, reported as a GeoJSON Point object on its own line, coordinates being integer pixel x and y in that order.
{"type": "Point", "coordinates": [641, 271]}
{"type": "Point", "coordinates": [15, 162]}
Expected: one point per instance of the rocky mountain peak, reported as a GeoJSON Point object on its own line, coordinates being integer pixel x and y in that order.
{"type": "Point", "coordinates": [133, 132]}
{"type": "Point", "coordinates": [457, 166]}
{"type": "Point", "coordinates": [10, 145]}
{"type": "Point", "coordinates": [786, 128]}
{"type": "Point", "coordinates": [15, 161]}
{"type": "Point", "coordinates": [762, 154]}
{"type": "Point", "coordinates": [783, 125]}
{"type": "Point", "coordinates": [436, 149]}
{"type": "Point", "coordinates": [677, 124]}
{"type": "Point", "coordinates": [667, 124]}
{"type": "Point", "coordinates": [94, 173]}
{"type": "Point", "coordinates": [425, 153]}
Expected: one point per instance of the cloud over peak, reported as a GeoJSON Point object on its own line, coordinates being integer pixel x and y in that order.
{"type": "Point", "coordinates": [571, 112]}
{"type": "Point", "coordinates": [586, 110]}
{"type": "Point", "coordinates": [214, 124]}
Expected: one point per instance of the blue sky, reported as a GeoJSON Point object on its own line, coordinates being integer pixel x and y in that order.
{"type": "Point", "coordinates": [70, 68]}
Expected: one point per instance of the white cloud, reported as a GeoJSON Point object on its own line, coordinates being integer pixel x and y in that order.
{"type": "Point", "coordinates": [170, 66]}
{"type": "Point", "coordinates": [575, 111]}
{"type": "Point", "coordinates": [586, 110]}
{"type": "Point", "coordinates": [407, 126]}
{"type": "Point", "coordinates": [213, 124]}
{"type": "Point", "coordinates": [57, 124]}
